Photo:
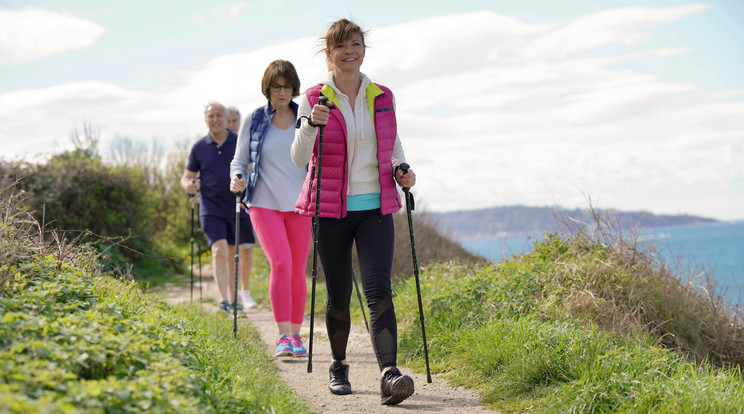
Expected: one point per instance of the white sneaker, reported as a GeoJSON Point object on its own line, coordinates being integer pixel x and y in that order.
{"type": "Point", "coordinates": [246, 300]}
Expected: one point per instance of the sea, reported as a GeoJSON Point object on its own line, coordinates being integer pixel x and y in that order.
{"type": "Point", "coordinates": [714, 251]}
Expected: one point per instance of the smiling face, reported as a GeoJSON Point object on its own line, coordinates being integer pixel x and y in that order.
{"type": "Point", "coordinates": [347, 55]}
{"type": "Point", "coordinates": [215, 116]}
{"type": "Point", "coordinates": [344, 45]}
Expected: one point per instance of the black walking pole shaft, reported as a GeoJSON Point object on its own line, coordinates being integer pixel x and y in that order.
{"type": "Point", "coordinates": [238, 196]}
{"type": "Point", "coordinates": [316, 221]}
{"type": "Point", "coordinates": [191, 252]}
{"type": "Point", "coordinates": [409, 206]}
{"type": "Point", "coordinates": [199, 252]}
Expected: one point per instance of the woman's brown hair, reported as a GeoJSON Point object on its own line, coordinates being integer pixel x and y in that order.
{"type": "Point", "coordinates": [339, 32]}
{"type": "Point", "coordinates": [280, 69]}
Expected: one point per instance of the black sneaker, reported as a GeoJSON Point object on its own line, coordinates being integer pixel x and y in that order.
{"type": "Point", "coordinates": [395, 387]}
{"type": "Point", "coordinates": [237, 309]}
{"type": "Point", "coordinates": [223, 309]}
{"type": "Point", "coordinates": [339, 374]}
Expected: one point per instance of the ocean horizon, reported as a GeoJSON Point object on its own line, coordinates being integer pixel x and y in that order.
{"type": "Point", "coordinates": [714, 251]}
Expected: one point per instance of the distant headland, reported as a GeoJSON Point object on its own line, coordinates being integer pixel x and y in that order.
{"type": "Point", "coordinates": [501, 221]}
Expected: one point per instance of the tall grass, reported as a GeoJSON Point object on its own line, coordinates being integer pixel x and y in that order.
{"type": "Point", "coordinates": [589, 321]}
{"type": "Point", "coordinates": [612, 276]}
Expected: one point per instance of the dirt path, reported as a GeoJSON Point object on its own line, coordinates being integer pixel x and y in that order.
{"type": "Point", "coordinates": [435, 397]}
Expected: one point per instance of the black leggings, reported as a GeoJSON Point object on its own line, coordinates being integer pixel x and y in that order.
{"type": "Point", "coordinates": [374, 235]}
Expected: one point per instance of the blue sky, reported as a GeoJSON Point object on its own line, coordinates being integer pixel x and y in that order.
{"type": "Point", "coordinates": [634, 104]}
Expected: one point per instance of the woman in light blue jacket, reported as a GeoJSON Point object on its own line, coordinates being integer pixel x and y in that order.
{"type": "Point", "coordinates": [273, 184]}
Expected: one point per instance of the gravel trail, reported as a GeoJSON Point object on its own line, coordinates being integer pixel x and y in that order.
{"type": "Point", "coordinates": [439, 396]}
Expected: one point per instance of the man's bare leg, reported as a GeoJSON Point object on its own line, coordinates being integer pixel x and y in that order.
{"type": "Point", "coordinates": [221, 264]}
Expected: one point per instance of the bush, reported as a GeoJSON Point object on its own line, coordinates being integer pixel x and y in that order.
{"type": "Point", "coordinates": [74, 340]}
{"type": "Point", "coordinates": [132, 210]}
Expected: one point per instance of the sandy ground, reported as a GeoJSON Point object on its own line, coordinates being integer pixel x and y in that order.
{"type": "Point", "coordinates": [435, 397]}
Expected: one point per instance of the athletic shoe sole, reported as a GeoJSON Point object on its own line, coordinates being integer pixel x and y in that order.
{"type": "Point", "coordinates": [402, 389]}
{"type": "Point", "coordinates": [284, 354]}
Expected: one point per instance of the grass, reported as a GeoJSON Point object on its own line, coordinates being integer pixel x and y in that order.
{"type": "Point", "coordinates": [588, 322]}
{"type": "Point", "coordinates": [579, 325]}
{"type": "Point", "coordinates": [75, 340]}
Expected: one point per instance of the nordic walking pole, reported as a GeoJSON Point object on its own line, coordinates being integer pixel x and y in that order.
{"type": "Point", "coordinates": [191, 252]}
{"type": "Point", "coordinates": [316, 219]}
{"type": "Point", "coordinates": [410, 206]}
{"type": "Point", "coordinates": [198, 247]}
{"type": "Point", "coordinates": [359, 295]}
{"type": "Point", "coordinates": [238, 197]}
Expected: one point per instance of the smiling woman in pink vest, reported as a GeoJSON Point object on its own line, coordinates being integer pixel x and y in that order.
{"type": "Point", "coordinates": [358, 194]}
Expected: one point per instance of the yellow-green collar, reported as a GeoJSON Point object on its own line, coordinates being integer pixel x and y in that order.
{"type": "Point", "coordinates": [373, 91]}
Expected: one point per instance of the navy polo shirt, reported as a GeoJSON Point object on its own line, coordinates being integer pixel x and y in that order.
{"type": "Point", "coordinates": [212, 162]}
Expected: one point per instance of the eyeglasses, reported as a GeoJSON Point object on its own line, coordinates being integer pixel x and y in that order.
{"type": "Point", "coordinates": [277, 88]}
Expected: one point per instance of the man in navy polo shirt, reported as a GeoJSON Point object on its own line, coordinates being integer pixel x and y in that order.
{"type": "Point", "coordinates": [211, 157]}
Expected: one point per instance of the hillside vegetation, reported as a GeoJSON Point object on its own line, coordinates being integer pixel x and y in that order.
{"type": "Point", "coordinates": [590, 321]}
{"type": "Point", "coordinates": [76, 340]}
{"type": "Point", "coordinates": [130, 208]}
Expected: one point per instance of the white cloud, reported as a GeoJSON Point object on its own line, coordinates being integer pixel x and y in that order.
{"type": "Point", "coordinates": [608, 27]}
{"type": "Point", "coordinates": [492, 111]}
{"type": "Point", "coordinates": [222, 13]}
{"type": "Point", "coordinates": [32, 34]}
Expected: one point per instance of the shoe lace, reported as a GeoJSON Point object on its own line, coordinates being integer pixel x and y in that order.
{"type": "Point", "coordinates": [391, 374]}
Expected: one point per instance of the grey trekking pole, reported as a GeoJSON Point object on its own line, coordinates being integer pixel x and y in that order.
{"type": "Point", "coordinates": [238, 197]}
{"type": "Point", "coordinates": [316, 219]}
{"type": "Point", "coordinates": [359, 295]}
{"type": "Point", "coordinates": [409, 207]}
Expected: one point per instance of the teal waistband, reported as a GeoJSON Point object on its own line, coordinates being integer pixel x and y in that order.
{"type": "Point", "coordinates": [361, 202]}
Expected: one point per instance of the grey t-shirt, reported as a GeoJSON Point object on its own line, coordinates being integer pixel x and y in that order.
{"type": "Point", "coordinates": [279, 180]}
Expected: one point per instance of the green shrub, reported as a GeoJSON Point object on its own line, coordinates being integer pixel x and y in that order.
{"type": "Point", "coordinates": [576, 325]}
{"type": "Point", "coordinates": [74, 341]}
{"type": "Point", "coordinates": [71, 342]}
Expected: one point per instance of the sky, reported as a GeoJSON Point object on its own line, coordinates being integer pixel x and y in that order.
{"type": "Point", "coordinates": [624, 104]}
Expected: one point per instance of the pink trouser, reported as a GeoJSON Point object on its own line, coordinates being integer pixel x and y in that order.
{"type": "Point", "coordinates": [285, 238]}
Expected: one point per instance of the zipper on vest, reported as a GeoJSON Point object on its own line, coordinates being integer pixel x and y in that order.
{"type": "Point", "coordinates": [343, 179]}
{"type": "Point", "coordinates": [380, 178]}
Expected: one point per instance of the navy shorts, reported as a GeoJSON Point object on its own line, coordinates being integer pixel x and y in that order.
{"type": "Point", "coordinates": [218, 228]}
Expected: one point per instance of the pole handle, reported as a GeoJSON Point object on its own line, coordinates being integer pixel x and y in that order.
{"type": "Point", "coordinates": [238, 196]}
{"type": "Point", "coordinates": [409, 197]}
{"type": "Point", "coordinates": [193, 180]}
